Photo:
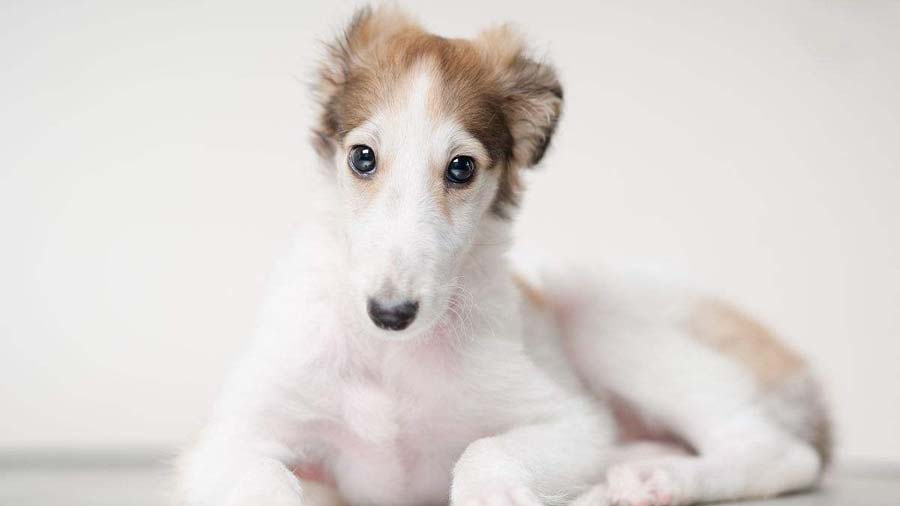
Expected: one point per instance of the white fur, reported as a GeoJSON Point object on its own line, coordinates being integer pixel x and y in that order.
{"type": "Point", "coordinates": [404, 248]}
{"type": "Point", "coordinates": [628, 338]}
{"type": "Point", "coordinates": [479, 402]}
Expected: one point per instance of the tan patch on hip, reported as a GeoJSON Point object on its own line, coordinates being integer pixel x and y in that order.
{"type": "Point", "coordinates": [730, 332]}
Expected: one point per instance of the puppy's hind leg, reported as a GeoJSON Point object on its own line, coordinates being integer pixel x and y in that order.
{"type": "Point", "coordinates": [745, 457]}
{"type": "Point", "coordinates": [706, 373]}
{"type": "Point", "coordinates": [751, 460]}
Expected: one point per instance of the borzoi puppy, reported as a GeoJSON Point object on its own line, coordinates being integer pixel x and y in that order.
{"type": "Point", "coordinates": [399, 361]}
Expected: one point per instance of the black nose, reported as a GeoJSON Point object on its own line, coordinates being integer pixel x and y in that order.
{"type": "Point", "coordinates": [392, 316]}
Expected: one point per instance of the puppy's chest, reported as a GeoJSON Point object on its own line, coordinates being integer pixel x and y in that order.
{"type": "Point", "coordinates": [393, 442]}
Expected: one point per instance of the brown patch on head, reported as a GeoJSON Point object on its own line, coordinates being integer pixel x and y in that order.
{"type": "Point", "coordinates": [347, 87]}
{"type": "Point", "coordinates": [506, 100]}
{"type": "Point", "coordinates": [727, 330]}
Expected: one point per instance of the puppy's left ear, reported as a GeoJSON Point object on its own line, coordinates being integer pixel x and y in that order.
{"type": "Point", "coordinates": [531, 93]}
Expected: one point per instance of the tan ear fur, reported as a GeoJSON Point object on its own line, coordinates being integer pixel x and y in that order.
{"type": "Point", "coordinates": [532, 100]}
{"type": "Point", "coordinates": [533, 96]}
{"type": "Point", "coordinates": [367, 29]}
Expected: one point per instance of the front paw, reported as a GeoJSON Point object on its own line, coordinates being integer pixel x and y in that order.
{"type": "Point", "coordinates": [485, 475]}
{"type": "Point", "coordinates": [632, 485]}
{"type": "Point", "coordinates": [637, 485]}
{"type": "Point", "coordinates": [266, 483]}
{"type": "Point", "coordinates": [517, 496]}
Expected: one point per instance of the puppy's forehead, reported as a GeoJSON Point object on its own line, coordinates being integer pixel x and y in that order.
{"type": "Point", "coordinates": [449, 77]}
{"type": "Point", "coordinates": [412, 106]}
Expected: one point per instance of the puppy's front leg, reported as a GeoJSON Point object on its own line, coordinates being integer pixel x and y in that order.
{"type": "Point", "coordinates": [545, 463]}
{"type": "Point", "coordinates": [237, 471]}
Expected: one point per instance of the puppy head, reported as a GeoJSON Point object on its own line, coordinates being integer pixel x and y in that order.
{"type": "Point", "coordinates": [424, 138]}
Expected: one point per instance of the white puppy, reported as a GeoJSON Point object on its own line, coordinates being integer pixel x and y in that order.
{"type": "Point", "coordinates": [400, 362]}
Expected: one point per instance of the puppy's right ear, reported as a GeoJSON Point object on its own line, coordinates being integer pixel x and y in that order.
{"type": "Point", "coordinates": [348, 61]}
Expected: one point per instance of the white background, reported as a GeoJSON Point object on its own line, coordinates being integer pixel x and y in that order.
{"type": "Point", "coordinates": [152, 160]}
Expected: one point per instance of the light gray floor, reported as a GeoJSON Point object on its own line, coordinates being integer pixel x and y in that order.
{"type": "Point", "coordinates": [123, 482]}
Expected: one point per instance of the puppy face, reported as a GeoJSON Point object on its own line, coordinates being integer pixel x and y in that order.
{"type": "Point", "coordinates": [425, 137]}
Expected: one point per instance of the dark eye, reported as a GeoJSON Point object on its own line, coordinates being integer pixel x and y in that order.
{"type": "Point", "coordinates": [362, 160]}
{"type": "Point", "coordinates": [461, 169]}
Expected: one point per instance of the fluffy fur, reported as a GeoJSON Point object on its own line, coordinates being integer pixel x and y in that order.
{"type": "Point", "coordinates": [588, 390]}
